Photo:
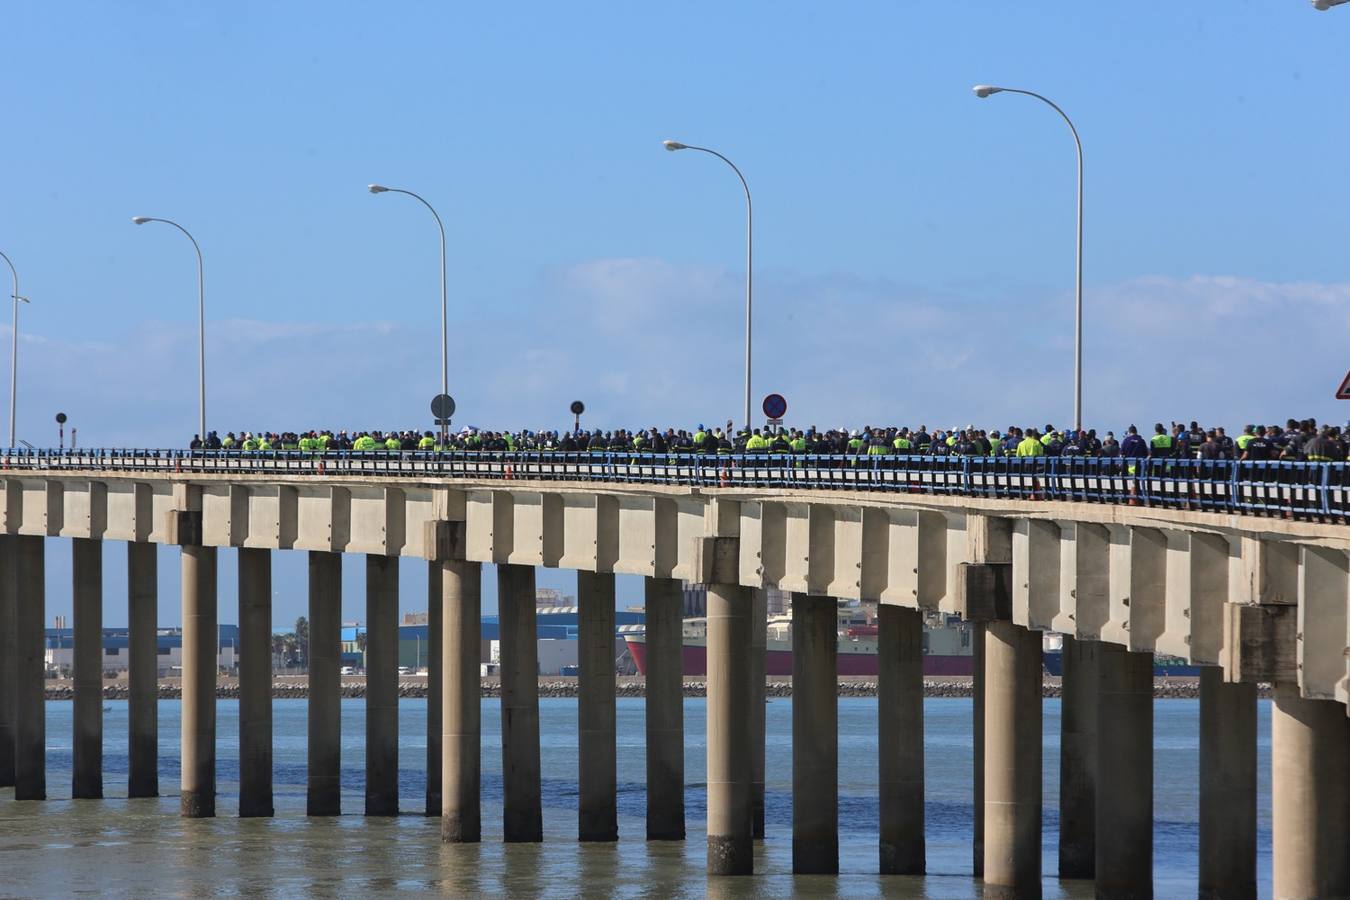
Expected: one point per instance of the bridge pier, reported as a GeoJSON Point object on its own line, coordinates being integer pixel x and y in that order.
{"type": "Point", "coordinates": [435, 685]}
{"type": "Point", "coordinates": [201, 647]}
{"type": "Point", "coordinates": [664, 709]}
{"type": "Point", "coordinates": [9, 650]}
{"type": "Point", "coordinates": [730, 837]}
{"type": "Point", "coordinates": [759, 633]}
{"type": "Point", "coordinates": [1124, 862]}
{"type": "Point", "coordinates": [30, 720]}
{"type": "Point", "coordinates": [1012, 761]}
{"type": "Point", "coordinates": [255, 682]}
{"type": "Point", "coordinates": [461, 750]}
{"type": "Point", "coordinates": [977, 682]}
{"type": "Point", "coordinates": [143, 669]}
{"type": "Point", "coordinates": [522, 815]}
{"type": "Point", "coordinates": [598, 813]}
{"type": "Point", "coordinates": [815, 736]}
{"type": "Point", "coordinates": [324, 754]}
{"type": "Point", "coordinates": [1310, 795]}
{"type": "Point", "coordinates": [87, 715]}
{"type": "Point", "coordinates": [381, 685]}
{"type": "Point", "coordinates": [1078, 759]}
{"type": "Point", "coordinates": [1227, 788]}
{"type": "Point", "coordinates": [900, 739]}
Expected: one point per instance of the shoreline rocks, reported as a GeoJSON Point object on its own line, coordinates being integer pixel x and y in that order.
{"type": "Point", "coordinates": [1163, 689]}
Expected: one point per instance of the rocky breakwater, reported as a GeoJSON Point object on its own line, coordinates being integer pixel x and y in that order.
{"type": "Point", "coordinates": [630, 687]}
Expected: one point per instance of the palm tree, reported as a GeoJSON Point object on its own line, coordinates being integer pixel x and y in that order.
{"type": "Point", "coordinates": [302, 638]}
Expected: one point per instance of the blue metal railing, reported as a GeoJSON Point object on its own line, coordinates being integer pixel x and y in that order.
{"type": "Point", "coordinates": [1307, 491]}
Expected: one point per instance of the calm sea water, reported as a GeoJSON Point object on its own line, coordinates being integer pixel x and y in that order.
{"type": "Point", "coordinates": [121, 847]}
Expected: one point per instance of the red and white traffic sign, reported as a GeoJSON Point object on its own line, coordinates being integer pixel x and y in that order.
{"type": "Point", "coordinates": [1343, 392]}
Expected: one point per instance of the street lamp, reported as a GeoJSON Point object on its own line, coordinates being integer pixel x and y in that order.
{"type": "Point", "coordinates": [1327, 4]}
{"type": "Point", "coordinates": [14, 350]}
{"type": "Point", "coordinates": [986, 90]}
{"type": "Point", "coordinates": [445, 363]}
{"type": "Point", "coordinates": [201, 319]}
{"type": "Point", "coordinates": [749, 257]}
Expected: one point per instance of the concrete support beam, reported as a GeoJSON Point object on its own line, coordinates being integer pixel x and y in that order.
{"type": "Point", "coordinates": [1078, 760]}
{"type": "Point", "coordinates": [1227, 788]}
{"type": "Point", "coordinates": [381, 685]}
{"type": "Point", "coordinates": [255, 682]}
{"type": "Point", "coordinates": [977, 694]}
{"type": "Point", "coordinates": [461, 603]}
{"type": "Point", "coordinates": [730, 838]}
{"type": "Point", "coordinates": [759, 633]}
{"type": "Point", "coordinates": [143, 669]}
{"type": "Point", "coordinates": [815, 735]}
{"type": "Point", "coordinates": [30, 722]}
{"type": "Point", "coordinates": [1310, 796]}
{"type": "Point", "coordinates": [522, 816]}
{"type": "Point", "coordinates": [9, 655]}
{"type": "Point", "coordinates": [324, 780]}
{"type": "Point", "coordinates": [665, 710]}
{"type": "Point", "coordinates": [1012, 761]}
{"type": "Point", "coordinates": [1124, 862]}
{"type": "Point", "coordinates": [87, 722]}
{"type": "Point", "coordinates": [900, 739]}
{"type": "Point", "coordinates": [435, 685]}
{"type": "Point", "coordinates": [598, 814]}
{"type": "Point", "coordinates": [201, 646]}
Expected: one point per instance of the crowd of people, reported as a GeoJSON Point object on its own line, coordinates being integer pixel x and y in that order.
{"type": "Point", "coordinates": [1297, 440]}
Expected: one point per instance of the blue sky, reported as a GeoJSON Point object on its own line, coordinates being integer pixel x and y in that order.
{"type": "Point", "coordinates": [914, 245]}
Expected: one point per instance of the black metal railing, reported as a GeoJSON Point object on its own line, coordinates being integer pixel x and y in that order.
{"type": "Point", "coordinates": [1298, 490]}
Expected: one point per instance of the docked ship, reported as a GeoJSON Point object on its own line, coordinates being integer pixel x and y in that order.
{"type": "Point", "coordinates": [946, 644]}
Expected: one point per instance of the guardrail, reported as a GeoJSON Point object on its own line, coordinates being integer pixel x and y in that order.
{"type": "Point", "coordinates": [1297, 490]}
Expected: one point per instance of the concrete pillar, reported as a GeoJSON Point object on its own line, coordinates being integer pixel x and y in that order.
{"type": "Point", "coordinates": [1012, 761]}
{"type": "Point", "coordinates": [1310, 796]}
{"type": "Point", "coordinates": [522, 816]}
{"type": "Point", "coordinates": [1124, 863]}
{"type": "Point", "coordinates": [1227, 788]}
{"type": "Point", "coordinates": [598, 815]}
{"type": "Point", "coordinates": [143, 669]}
{"type": "Point", "coordinates": [381, 685]}
{"type": "Point", "coordinates": [435, 643]}
{"type": "Point", "coordinates": [977, 745]}
{"type": "Point", "coordinates": [255, 682]}
{"type": "Point", "coordinates": [1078, 759]}
{"type": "Point", "coordinates": [759, 628]}
{"type": "Point", "coordinates": [815, 736]}
{"type": "Point", "coordinates": [665, 709]}
{"type": "Point", "coordinates": [201, 647]}
{"type": "Point", "coordinates": [900, 739]}
{"type": "Point", "coordinates": [30, 720]}
{"type": "Point", "coordinates": [324, 787]}
{"type": "Point", "coordinates": [461, 741]}
{"type": "Point", "coordinates": [9, 662]}
{"type": "Point", "coordinates": [730, 840]}
{"type": "Point", "coordinates": [87, 721]}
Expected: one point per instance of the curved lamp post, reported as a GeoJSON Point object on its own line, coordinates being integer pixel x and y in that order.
{"type": "Point", "coordinates": [14, 350]}
{"type": "Point", "coordinates": [749, 257]}
{"type": "Point", "coordinates": [201, 318]}
{"type": "Point", "coordinates": [985, 90]}
{"type": "Point", "coordinates": [445, 363]}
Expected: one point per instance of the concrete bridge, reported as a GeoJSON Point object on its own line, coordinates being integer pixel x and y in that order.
{"type": "Point", "coordinates": [1251, 598]}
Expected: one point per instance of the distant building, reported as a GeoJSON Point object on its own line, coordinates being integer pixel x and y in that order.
{"type": "Point", "coordinates": [554, 626]}
{"type": "Point", "coordinates": [694, 603]}
{"type": "Point", "coordinates": [59, 650]}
